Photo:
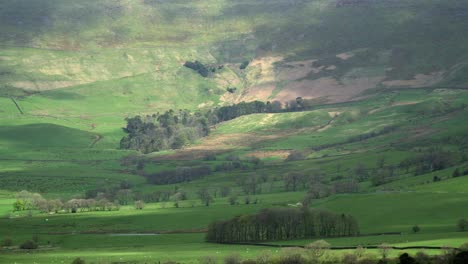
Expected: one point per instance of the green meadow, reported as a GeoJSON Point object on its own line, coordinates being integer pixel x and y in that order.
{"type": "Point", "coordinates": [383, 137]}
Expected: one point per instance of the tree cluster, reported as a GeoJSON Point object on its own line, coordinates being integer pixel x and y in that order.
{"type": "Point", "coordinates": [171, 130]}
{"type": "Point", "coordinates": [281, 224]}
{"type": "Point", "coordinates": [34, 201]}
{"type": "Point", "coordinates": [200, 68]}
{"type": "Point", "coordinates": [432, 160]}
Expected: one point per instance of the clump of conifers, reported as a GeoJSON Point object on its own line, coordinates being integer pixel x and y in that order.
{"type": "Point", "coordinates": [281, 224]}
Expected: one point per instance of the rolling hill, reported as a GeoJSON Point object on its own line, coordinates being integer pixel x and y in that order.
{"type": "Point", "coordinates": [383, 137]}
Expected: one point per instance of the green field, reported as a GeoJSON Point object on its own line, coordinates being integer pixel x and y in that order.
{"type": "Point", "coordinates": [382, 136]}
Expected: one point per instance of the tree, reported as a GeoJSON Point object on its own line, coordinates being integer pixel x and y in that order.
{"type": "Point", "coordinates": [384, 250]}
{"type": "Point", "coordinates": [361, 172]}
{"type": "Point", "coordinates": [456, 173]}
{"type": "Point", "coordinates": [225, 191]}
{"type": "Point", "coordinates": [30, 244]}
{"type": "Point", "coordinates": [381, 162]}
{"type": "Point", "coordinates": [416, 229]}
{"type": "Point", "coordinates": [233, 199]}
{"type": "Point", "coordinates": [405, 258]}
{"type": "Point", "coordinates": [205, 196]}
{"type": "Point", "coordinates": [124, 196]}
{"type": "Point", "coordinates": [318, 248]}
{"type": "Point", "coordinates": [462, 224]}
{"type": "Point", "coordinates": [244, 65]}
{"type": "Point", "coordinates": [18, 205]}
{"type": "Point", "coordinates": [232, 259]}
{"type": "Point", "coordinates": [139, 205]}
{"type": "Point", "coordinates": [292, 180]}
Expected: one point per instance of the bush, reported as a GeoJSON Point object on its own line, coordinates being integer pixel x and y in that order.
{"type": "Point", "coordinates": [7, 242]}
{"type": "Point", "coordinates": [30, 244]}
{"type": "Point", "coordinates": [78, 261]}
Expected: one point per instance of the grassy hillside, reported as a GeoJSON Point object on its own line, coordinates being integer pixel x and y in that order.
{"type": "Point", "coordinates": [387, 87]}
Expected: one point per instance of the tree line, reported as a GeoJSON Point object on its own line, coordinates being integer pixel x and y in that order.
{"type": "Point", "coordinates": [176, 129]}
{"type": "Point", "coordinates": [282, 224]}
{"type": "Point", "coordinates": [34, 201]}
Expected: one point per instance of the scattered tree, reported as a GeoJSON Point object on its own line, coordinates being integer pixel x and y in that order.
{"type": "Point", "coordinates": [318, 248]}
{"type": "Point", "coordinates": [405, 258]}
{"type": "Point", "coordinates": [384, 250]}
{"type": "Point", "coordinates": [139, 205]}
{"type": "Point", "coordinates": [232, 259]}
{"type": "Point", "coordinates": [416, 229]}
{"type": "Point", "coordinates": [233, 199]}
{"type": "Point", "coordinates": [205, 196]}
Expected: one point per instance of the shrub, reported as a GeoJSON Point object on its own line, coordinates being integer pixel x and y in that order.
{"type": "Point", "coordinates": [78, 261]}
{"type": "Point", "coordinates": [30, 244]}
